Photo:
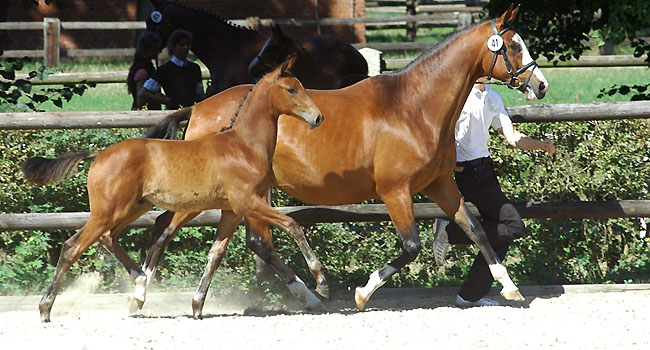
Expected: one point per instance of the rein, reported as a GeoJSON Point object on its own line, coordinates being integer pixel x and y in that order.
{"type": "Point", "coordinates": [514, 75]}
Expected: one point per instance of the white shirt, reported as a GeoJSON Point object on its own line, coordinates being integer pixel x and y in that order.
{"type": "Point", "coordinates": [481, 110]}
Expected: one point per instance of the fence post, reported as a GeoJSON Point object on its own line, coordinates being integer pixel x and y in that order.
{"type": "Point", "coordinates": [51, 34]}
{"type": "Point", "coordinates": [465, 19]}
{"type": "Point", "coordinates": [411, 27]}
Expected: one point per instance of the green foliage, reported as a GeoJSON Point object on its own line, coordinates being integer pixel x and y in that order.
{"type": "Point", "coordinates": [591, 163]}
{"type": "Point", "coordinates": [18, 94]}
{"type": "Point", "coordinates": [560, 30]}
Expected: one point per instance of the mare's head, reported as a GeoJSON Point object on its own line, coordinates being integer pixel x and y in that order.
{"type": "Point", "coordinates": [162, 20]}
{"type": "Point", "coordinates": [288, 96]}
{"type": "Point", "coordinates": [277, 49]}
{"type": "Point", "coordinates": [506, 57]}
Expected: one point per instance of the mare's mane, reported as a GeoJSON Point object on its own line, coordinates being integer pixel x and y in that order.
{"type": "Point", "coordinates": [437, 47]}
{"type": "Point", "coordinates": [213, 15]}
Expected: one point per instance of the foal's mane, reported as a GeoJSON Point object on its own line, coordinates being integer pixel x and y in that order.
{"type": "Point", "coordinates": [241, 104]}
{"type": "Point", "coordinates": [211, 14]}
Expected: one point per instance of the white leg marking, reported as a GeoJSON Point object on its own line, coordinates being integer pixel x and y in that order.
{"type": "Point", "coordinates": [140, 288]}
{"type": "Point", "coordinates": [300, 290]}
{"type": "Point", "coordinates": [500, 274]}
{"type": "Point", "coordinates": [149, 272]}
{"type": "Point", "coordinates": [374, 282]}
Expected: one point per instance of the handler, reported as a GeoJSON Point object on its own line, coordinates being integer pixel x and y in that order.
{"type": "Point", "coordinates": [180, 78]}
{"type": "Point", "coordinates": [478, 184]}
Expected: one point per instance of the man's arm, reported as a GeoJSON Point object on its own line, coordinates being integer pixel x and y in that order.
{"type": "Point", "coordinates": [521, 141]}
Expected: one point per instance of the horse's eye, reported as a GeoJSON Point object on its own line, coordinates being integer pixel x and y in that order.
{"type": "Point", "coordinates": [515, 47]}
{"type": "Point", "coordinates": [291, 91]}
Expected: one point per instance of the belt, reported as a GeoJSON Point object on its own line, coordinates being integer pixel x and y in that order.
{"type": "Point", "coordinates": [474, 162]}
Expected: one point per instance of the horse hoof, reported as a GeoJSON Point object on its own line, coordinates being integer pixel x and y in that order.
{"type": "Point", "coordinates": [135, 305]}
{"type": "Point", "coordinates": [512, 295]}
{"type": "Point", "coordinates": [360, 299]}
{"type": "Point", "coordinates": [323, 290]}
{"type": "Point", "coordinates": [316, 307]}
{"type": "Point", "coordinates": [45, 318]}
{"type": "Point", "coordinates": [197, 309]}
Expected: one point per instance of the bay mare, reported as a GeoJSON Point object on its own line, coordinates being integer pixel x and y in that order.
{"type": "Point", "coordinates": [388, 137]}
{"type": "Point", "coordinates": [227, 49]}
{"type": "Point", "coordinates": [228, 170]}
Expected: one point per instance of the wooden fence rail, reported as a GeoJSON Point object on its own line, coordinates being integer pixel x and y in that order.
{"type": "Point", "coordinates": [145, 119]}
{"type": "Point", "coordinates": [390, 64]}
{"type": "Point", "coordinates": [307, 215]}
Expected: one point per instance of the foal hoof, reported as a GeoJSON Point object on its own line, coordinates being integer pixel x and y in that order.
{"type": "Point", "coordinates": [323, 290]}
{"type": "Point", "coordinates": [135, 305]}
{"type": "Point", "coordinates": [360, 299]}
{"type": "Point", "coordinates": [512, 295]}
{"type": "Point", "coordinates": [319, 306]}
{"type": "Point", "coordinates": [197, 309]}
{"type": "Point", "coordinates": [45, 318]}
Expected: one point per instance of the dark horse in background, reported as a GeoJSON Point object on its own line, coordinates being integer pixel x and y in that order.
{"type": "Point", "coordinates": [227, 49]}
{"type": "Point", "coordinates": [279, 47]}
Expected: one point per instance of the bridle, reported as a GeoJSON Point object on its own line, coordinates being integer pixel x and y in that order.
{"type": "Point", "coordinates": [156, 16]}
{"type": "Point", "coordinates": [514, 74]}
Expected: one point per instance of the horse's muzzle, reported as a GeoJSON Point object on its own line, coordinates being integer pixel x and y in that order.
{"type": "Point", "coordinates": [318, 121]}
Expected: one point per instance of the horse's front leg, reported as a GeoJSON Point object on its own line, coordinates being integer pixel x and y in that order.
{"type": "Point", "coordinates": [444, 192]}
{"type": "Point", "coordinates": [260, 230]}
{"type": "Point", "coordinates": [256, 208]}
{"type": "Point", "coordinates": [225, 229]}
{"type": "Point", "coordinates": [400, 208]}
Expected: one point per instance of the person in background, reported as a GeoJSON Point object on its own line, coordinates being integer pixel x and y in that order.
{"type": "Point", "coordinates": [179, 78]}
{"type": "Point", "coordinates": [142, 69]}
{"type": "Point", "coordinates": [478, 184]}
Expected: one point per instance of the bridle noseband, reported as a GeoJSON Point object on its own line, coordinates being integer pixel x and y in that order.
{"type": "Point", "coordinates": [514, 74]}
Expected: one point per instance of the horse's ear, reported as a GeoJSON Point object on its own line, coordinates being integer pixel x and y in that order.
{"type": "Point", "coordinates": [287, 65]}
{"type": "Point", "coordinates": [275, 28]}
{"type": "Point", "coordinates": [508, 18]}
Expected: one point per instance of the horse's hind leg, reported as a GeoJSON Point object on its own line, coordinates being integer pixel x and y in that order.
{"type": "Point", "coordinates": [400, 209]}
{"type": "Point", "coordinates": [70, 253]}
{"type": "Point", "coordinates": [111, 243]}
{"type": "Point", "coordinates": [166, 226]}
{"type": "Point", "coordinates": [444, 192]}
{"type": "Point", "coordinates": [226, 227]}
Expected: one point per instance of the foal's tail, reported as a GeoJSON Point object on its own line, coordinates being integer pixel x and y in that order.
{"type": "Point", "coordinates": [43, 171]}
{"type": "Point", "coordinates": [168, 127]}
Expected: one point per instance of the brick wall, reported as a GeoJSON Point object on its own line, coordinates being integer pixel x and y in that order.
{"type": "Point", "coordinates": [74, 10]}
{"type": "Point", "coordinates": [132, 10]}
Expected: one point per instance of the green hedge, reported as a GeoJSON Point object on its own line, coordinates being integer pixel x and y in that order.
{"type": "Point", "coordinates": [594, 161]}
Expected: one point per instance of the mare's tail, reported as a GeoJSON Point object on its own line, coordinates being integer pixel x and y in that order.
{"type": "Point", "coordinates": [168, 127]}
{"type": "Point", "coordinates": [43, 171]}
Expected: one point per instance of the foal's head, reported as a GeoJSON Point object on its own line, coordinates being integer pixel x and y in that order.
{"type": "Point", "coordinates": [277, 49]}
{"type": "Point", "coordinates": [507, 58]}
{"type": "Point", "coordinates": [288, 96]}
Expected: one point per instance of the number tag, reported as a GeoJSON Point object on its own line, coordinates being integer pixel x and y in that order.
{"type": "Point", "coordinates": [495, 42]}
{"type": "Point", "coordinates": [156, 16]}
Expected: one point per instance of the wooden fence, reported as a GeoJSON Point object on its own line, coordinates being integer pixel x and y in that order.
{"type": "Point", "coordinates": [347, 213]}
{"type": "Point", "coordinates": [307, 215]}
{"type": "Point", "coordinates": [145, 119]}
{"type": "Point", "coordinates": [386, 64]}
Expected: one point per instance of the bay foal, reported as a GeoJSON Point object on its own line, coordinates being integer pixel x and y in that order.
{"type": "Point", "coordinates": [387, 136]}
{"type": "Point", "coordinates": [227, 170]}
